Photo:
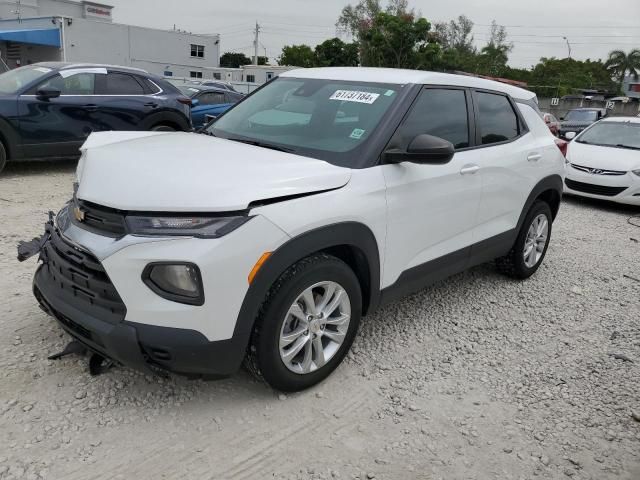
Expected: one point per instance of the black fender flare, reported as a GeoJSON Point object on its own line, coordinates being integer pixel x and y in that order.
{"type": "Point", "coordinates": [351, 234]}
{"type": "Point", "coordinates": [166, 116]}
{"type": "Point", "coordinates": [553, 183]}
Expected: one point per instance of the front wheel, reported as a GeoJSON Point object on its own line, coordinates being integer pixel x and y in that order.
{"type": "Point", "coordinates": [307, 323]}
{"type": "Point", "coordinates": [162, 128]}
{"type": "Point", "coordinates": [531, 244]}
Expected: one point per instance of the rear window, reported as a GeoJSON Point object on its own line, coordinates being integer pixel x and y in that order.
{"type": "Point", "coordinates": [497, 120]}
{"type": "Point", "coordinates": [123, 84]}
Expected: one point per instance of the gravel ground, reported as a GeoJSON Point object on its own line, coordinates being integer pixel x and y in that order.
{"type": "Point", "coordinates": [478, 377]}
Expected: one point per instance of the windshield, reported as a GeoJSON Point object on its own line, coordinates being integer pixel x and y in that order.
{"type": "Point", "coordinates": [312, 117]}
{"type": "Point", "coordinates": [582, 116]}
{"type": "Point", "coordinates": [613, 134]}
{"type": "Point", "coordinates": [15, 80]}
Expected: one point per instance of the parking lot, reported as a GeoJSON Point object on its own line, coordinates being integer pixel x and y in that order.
{"type": "Point", "coordinates": [478, 377]}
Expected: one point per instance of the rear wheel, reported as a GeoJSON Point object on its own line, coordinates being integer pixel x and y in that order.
{"type": "Point", "coordinates": [307, 323]}
{"type": "Point", "coordinates": [531, 245]}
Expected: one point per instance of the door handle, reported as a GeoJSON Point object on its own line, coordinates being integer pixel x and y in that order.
{"type": "Point", "coordinates": [91, 107]}
{"type": "Point", "coordinates": [469, 169]}
{"type": "Point", "coordinates": [151, 104]}
{"type": "Point", "coordinates": [534, 157]}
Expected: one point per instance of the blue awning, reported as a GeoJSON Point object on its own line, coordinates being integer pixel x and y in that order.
{"type": "Point", "coordinates": [44, 36]}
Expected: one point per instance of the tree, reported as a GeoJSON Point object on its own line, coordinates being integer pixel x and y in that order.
{"type": "Point", "coordinates": [359, 17]}
{"type": "Point", "coordinates": [495, 55]}
{"type": "Point", "coordinates": [619, 63]}
{"type": "Point", "coordinates": [456, 35]}
{"type": "Point", "coordinates": [554, 77]}
{"type": "Point", "coordinates": [263, 60]}
{"type": "Point", "coordinates": [234, 60]}
{"type": "Point", "coordinates": [298, 56]}
{"type": "Point", "coordinates": [336, 53]}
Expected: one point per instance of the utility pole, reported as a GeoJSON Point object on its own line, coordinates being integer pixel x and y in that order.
{"type": "Point", "coordinates": [256, 43]}
{"type": "Point", "coordinates": [568, 45]}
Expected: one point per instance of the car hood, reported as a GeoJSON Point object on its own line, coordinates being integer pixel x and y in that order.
{"type": "Point", "coordinates": [188, 172]}
{"type": "Point", "coordinates": [604, 158]}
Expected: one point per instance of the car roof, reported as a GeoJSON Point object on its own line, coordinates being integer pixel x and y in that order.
{"type": "Point", "coordinates": [71, 65]}
{"type": "Point", "coordinates": [402, 77]}
{"type": "Point", "coordinates": [621, 120]}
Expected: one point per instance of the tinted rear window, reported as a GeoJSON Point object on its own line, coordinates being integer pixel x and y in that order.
{"type": "Point", "coordinates": [123, 84]}
{"type": "Point", "coordinates": [496, 119]}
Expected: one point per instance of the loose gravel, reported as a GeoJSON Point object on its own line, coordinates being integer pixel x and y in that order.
{"type": "Point", "coordinates": [478, 377]}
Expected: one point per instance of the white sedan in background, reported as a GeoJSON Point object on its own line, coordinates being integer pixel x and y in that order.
{"type": "Point", "coordinates": [604, 161]}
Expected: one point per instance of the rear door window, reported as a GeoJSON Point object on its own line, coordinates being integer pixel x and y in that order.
{"type": "Point", "coordinates": [122, 84]}
{"type": "Point", "coordinates": [211, 98]}
{"type": "Point", "coordinates": [496, 120]}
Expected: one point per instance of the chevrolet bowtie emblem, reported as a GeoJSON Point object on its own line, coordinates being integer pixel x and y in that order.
{"type": "Point", "coordinates": [78, 214]}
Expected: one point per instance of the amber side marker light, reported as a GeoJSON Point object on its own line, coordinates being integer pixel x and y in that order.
{"type": "Point", "coordinates": [256, 268]}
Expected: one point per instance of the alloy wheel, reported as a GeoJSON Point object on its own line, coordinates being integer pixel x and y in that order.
{"type": "Point", "coordinates": [536, 240]}
{"type": "Point", "coordinates": [315, 327]}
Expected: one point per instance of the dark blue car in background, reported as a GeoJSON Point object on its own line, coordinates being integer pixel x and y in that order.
{"type": "Point", "coordinates": [209, 102]}
{"type": "Point", "coordinates": [47, 110]}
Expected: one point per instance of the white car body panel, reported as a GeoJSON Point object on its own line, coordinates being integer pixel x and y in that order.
{"type": "Point", "coordinates": [225, 264]}
{"type": "Point", "coordinates": [424, 222]}
{"type": "Point", "coordinates": [152, 173]}
{"type": "Point", "coordinates": [508, 175]}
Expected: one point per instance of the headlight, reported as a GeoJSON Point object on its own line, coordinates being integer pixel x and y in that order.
{"type": "Point", "coordinates": [178, 282]}
{"type": "Point", "coordinates": [637, 172]}
{"type": "Point", "coordinates": [200, 227]}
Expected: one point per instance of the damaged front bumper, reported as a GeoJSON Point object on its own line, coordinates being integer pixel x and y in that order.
{"type": "Point", "coordinates": [72, 286]}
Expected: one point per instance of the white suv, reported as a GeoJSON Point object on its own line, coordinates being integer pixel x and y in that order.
{"type": "Point", "coordinates": [318, 198]}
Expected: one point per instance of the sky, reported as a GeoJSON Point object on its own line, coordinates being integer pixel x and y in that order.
{"type": "Point", "coordinates": [536, 27]}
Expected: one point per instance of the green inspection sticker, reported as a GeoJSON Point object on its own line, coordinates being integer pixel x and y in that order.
{"type": "Point", "coordinates": [357, 133]}
{"type": "Point", "coordinates": [388, 93]}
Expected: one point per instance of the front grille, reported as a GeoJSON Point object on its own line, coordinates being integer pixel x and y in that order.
{"type": "Point", "coordinates": [597, 171]}
{"type": "Point", "coordinates": [594, 189]}
{"type": "Point", "coordinates": [82, 280]}
{"type": "Point", "coordinates": [99, 219]}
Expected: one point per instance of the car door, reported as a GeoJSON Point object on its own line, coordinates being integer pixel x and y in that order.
{"type": "Point", "coordinates": [123, 101]}
{"type": "Point", "coordinates": [432, 208]}
{"type": "Point", "coordinates": [57, 127]}
{"type": "Point", "coordinates": [509, 158]}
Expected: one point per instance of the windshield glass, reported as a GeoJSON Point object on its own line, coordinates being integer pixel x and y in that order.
{"type": "Point", "coordinates": [312, 117]}
{"type": "Point", "coordinates": [15, 80]}
{"type": "Point", "coordinates": [613, 134]}
{"type": "Point", "coordinates": [582, 116]}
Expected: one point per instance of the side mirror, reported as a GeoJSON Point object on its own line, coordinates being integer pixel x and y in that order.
{"type": "Point", "coordinates": [561, 118]}
{"type": "Point", "coordinates": [570, 135]}
{"type": "Point", "coordinates": [195, 102]}
{"type": "Point", "coordinates": [47, 93]}
{"type": "Point", "coordinates": [423, 149]}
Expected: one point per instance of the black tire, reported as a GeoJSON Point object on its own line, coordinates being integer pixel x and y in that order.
{"type": "Point", "coordinates": [263, 356]}
{"type": "Point", "coordinates": [513, 264]}
{"type": "Point", "coordinates": [163, 128]}
{"type": "Point", "coordinates": [3, 157]}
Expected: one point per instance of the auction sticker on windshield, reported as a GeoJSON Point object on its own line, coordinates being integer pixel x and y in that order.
{"type": "Point", "coordinates": [354, 96]}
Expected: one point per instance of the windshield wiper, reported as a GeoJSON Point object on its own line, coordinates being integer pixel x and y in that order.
{"type": "Point", "coordinates": [620, 145]}
{"type": "Point", "coordinates": [257, 143]}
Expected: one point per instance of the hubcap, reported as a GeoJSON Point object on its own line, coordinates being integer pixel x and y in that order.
{"type": "Point", "coordinates": [315, 327]}
{"type": "Point", "coordinates": [536, 240]}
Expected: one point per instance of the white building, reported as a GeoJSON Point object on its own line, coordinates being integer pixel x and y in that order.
{"type": "Point", "coordinates": [80, 31]}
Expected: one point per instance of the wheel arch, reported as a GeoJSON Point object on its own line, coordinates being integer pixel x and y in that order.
{"type": "Point", "coordinates": [9, 139]}
{"type": "Point", "coordinates": [166, 118]}
{"type": "Point", "coordinates": [549, 189]}
{"type": "Point", "coordinates": [352, 242]}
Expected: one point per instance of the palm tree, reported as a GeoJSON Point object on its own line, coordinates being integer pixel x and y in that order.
{"type": "Point", "coordinates": [619, 63]}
